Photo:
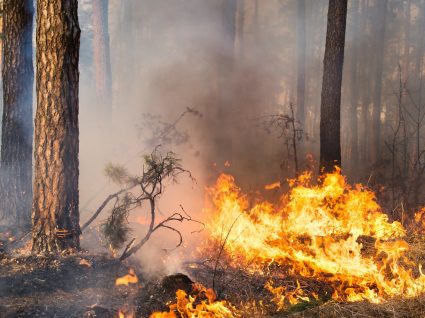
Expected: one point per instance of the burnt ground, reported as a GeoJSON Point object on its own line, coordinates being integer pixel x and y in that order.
{"type": "Point", "coordinates": [83, 285]}
{"type": "Point", "coordinates": [70, 286]}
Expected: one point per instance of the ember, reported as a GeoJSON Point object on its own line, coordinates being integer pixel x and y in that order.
{"type": "Point", "coordinates": [127, 279]}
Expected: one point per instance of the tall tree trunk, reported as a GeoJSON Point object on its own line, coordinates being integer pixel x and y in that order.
{"type": "Point", "coordinates": [354, 89]}
{"type": "Point", "coordinates": [365, 74]}
{"type": "Point", "coordinates": [405, 101]}
{"type": "Point", "coordinates": [16, 145]}
{"type": "Point", "coordinates": [102, 59]}
{"type": "Point", "coordinates": [55, 213]}
{"type": "Point", "coordinates": [330, 108]}
{"type": "Point", "coordinates": [379, 64]}
{"type": "Point", "coordinates": [301, 48]}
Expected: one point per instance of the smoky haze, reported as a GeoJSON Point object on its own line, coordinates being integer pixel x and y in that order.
{"type": "Point", "coordinates": [232, 63]}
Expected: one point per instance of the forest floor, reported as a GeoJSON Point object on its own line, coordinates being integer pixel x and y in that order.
{"type": "Point", "coordinates": [84, 285]}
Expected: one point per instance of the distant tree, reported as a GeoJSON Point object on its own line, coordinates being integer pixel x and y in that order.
{"type": "Point", "coordinates": [379, 50]}
{"type": "Point", "coordinates": [354, 72]}
{"type": "Point", "coordinates": [225, 67]}
{"type": "Point", "coordinates": [330, 107]}
{"type": "Point", "coordinates": [102, 59]}
{"type": "Point", "coordinates": [240, 27]}
{"type": "Point", "coordinates": [16, 143]}
{"type": "Point", "coordinates": [55, 212]}
{"type": "Point", "coordinates": [301, 48]}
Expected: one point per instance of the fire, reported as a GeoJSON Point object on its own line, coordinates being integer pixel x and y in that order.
{"type": "Point", "coordinates": [123, 314]}
{"type": "Point", "coordinates": [127, 279]}
{"type": "Point", "coordinates": [331, 232]}
{"type": "Point", "coordinates": [204, 304]}
{"type": "Point", "coordinates": [272, 186]}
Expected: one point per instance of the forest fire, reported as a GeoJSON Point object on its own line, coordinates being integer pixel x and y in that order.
{"type": "Point", "coordinates": [331, 232]}
{"type": "Point", "coordinates": [204, 304]}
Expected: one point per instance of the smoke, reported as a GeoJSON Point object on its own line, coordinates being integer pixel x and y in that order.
{"type": "Point", "coordinates": [230, 62]}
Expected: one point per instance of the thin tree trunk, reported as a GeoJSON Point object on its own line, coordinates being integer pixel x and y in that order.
{"type": "Point", "coordinates": [16, 145]}
{"type": "Point", "coordinates": [55, 206]}
{"type": "Point", "coordinates": [379, 62]}
{"type": "Point", "coordinates": [301, 48]}
{"type": "Point", "coordinates": [419, 72]}
{"type": "Point", "coordinates": [330, 109]}
{"type": "Point", "coordinates": [102, 59]}
{"type": "Point", "coordinates": [240, 28]}
{"type": "Point", "coordinates": [406, 55]}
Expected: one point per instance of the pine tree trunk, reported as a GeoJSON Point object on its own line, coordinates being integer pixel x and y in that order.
{"type": "Point", "coordinates": [330, 108]}
{"type": "Point", "coordinates": [102, 60]}
{"type": "Point", "coordinates": [55, 205]}
{"type": "Point", "coordinates": [16, 145]}
{"type": "Point", "coordinates": [379, 62]}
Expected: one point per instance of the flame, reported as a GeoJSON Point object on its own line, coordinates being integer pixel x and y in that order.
{"type": "Point", "coordinates": [123, 314]}
{"type": "Point", "coordinates": [195, 306]}
{"type": "Point", "coordinates": [272, 186]}
{"type": "Point", "coordinates": [418, 224]}
{"type": "Point", "coordinates": [127, 279]}
{"type": "Point", "coordinates": [332, 232]}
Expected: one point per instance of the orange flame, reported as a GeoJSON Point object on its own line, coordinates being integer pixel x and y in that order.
{"type": "Point", "coordinates": [122, 314]}
{"type": "Point", "coordinates": [188, 306]}
{"type": "Point", "coordinates": [127, 279]}
{"type": "Point", "coordinates": [318, 230]}
{"type": "Point", "coordinates": [272, 186]}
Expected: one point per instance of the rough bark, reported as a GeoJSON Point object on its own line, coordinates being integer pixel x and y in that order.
{"type": "Point", "coordinates": [301, 48]}
{"type": "Point", "coordinates": [102, 59]}
{"type": "Point", "coordinates": [55, 213]}
{"type": "Point", "coordinates": [330, 107]}
{"type": "Point", "coordinates": [16, 144]}
{"type": "Point", "coordinates": [379, 64]}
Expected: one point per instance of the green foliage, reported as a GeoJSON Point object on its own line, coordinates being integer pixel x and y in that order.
{"type": "Point", "coordinates": [117, 173]}
{"type": "Point", "coordinates": [159, 167]}
{"type": "Point", "coordinates": [115, 229]}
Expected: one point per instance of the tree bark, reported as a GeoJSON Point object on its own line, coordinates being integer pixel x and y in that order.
{"type": "Point", "coordinates": [301, 48]}
{"type": "Point", "coordinates": [16, 144]}
{"type": "Point", "coordinates": [379, 62]}
{"type": "Point", "coordinates": [55, 213]}
{"type": "Point", "coordinates": [102, 59]}
{"type": "Point", "coordinates": [330, 108]}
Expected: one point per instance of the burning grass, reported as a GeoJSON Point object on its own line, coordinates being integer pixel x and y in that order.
{"type": "Point", "coordinates": [320, 242]}
{"type": "Point", "coordinates": [325, 249]}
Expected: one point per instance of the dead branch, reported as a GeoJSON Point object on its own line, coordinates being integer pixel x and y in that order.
{"type": "Point", "coordinates": [146, 188]}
